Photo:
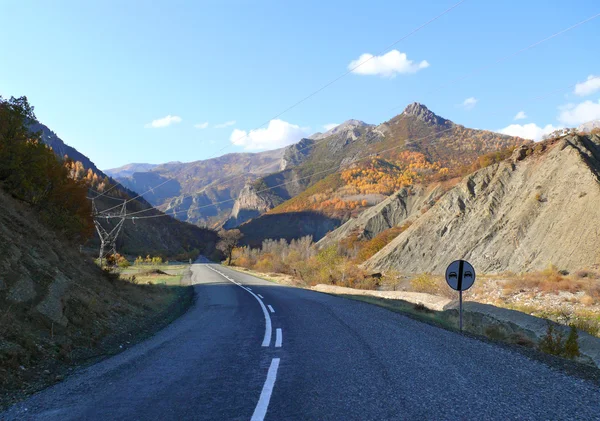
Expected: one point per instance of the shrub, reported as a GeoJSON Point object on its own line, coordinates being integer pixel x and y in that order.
{"type": "Point", "coordinates": [571, 350]}
{"type": "Point", "coordinates": [122, 262]}
{"type": "Point", "coordinates": [425, 283]}
{"type": "Point", "coordinates": [552, 342]}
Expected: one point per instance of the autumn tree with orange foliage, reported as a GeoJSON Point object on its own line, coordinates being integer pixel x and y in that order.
{"type": "Point", "coordinates": [380, 176]}
{"type": "Point", "coordinates": [30, 172]}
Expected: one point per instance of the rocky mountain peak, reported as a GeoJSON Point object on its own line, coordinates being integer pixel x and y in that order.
{"type": "Point", "coordinates": [341, 128]}
{"type": "Point", "coordinates": [423, 113]}
{"type": "Point", "coordinates": [589, 126]}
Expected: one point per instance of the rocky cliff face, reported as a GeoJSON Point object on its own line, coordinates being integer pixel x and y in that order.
{"type": "Point", "coordinates": [251, 203]}
{"type": "Point", "coordinates": [400, 207]}
{"type": "Point", "coordinates": [422, 113]}
{"type": "Point", "coordinates": [296, 154]}
{"type": "Point", "coordinates": [540, 207]}
{"type": "Point", "coordinates": [201, 192]}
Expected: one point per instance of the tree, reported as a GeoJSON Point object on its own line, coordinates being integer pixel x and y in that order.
{"type": "Point", "coordinates": [229, 240]}
{"type": "Point", "coordinates": [571, 345]}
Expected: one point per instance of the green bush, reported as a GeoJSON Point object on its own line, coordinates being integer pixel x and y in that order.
{"type": "Point", "coordinates": [554, 343]}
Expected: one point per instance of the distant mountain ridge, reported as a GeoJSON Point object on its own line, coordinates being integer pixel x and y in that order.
{"type": "Point", "coordinates": [192, 191]}
{"type": "Point", "coordinates": [160, 235]}
{"type": "Point", "coordinates": [129, 169]}
{"type": "Point", "coordinates": [235, 188]}
{"type": "Point", "coordinates": [315, 174]}
{"type": "Point", "coordinates": [589, 126]}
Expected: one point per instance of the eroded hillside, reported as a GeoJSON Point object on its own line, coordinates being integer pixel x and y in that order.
{"type": "Point", "coordinates": [57, 306]}
{"type": "Point", "coordinates": [355, 166]}
{"type": "Point", "coordinates": [539, 207]}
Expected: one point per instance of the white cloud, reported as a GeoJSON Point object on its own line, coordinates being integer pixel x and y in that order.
{"type": "Point", "coordinates": [591, 85]}
{"type": "Point", "coordinates": [330, 126]}
{"type": "Point", "coordinates": [277, 134]}
{"type": "Point", "coordinates": [224, 125]}
{"type": "Point", "coordinates": [469, 103]}
{"type": "Point", "coordinates": [387, 65]}
{"type": "Point", "coordinates": [583, 112]}
{"type": "Point", "coordinates": [521, 115]}
{"type": "Point", "coordinates": [201, 125]}
{"type": "Point", "coordinates": [528, 131]}
{"type": "Point", "coordinates": [163, 122]}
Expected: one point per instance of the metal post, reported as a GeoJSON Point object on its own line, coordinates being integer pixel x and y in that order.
{"type": "Point", "coordinates": [460, 310]}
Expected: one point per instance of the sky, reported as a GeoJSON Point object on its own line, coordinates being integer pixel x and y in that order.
{"type": "Point", "coordinates": [137, 81]}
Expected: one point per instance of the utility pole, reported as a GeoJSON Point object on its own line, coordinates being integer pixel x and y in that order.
{"type": "Point", "coordinates": [108, 239]}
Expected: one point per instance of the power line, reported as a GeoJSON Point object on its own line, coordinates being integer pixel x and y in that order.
{"type": "Point", "coordinates": [296, 179]}
{"type": "Point", "coordinates": [102, 194]}
{"type": "Point", "coordinates": [406, 141]}
{"type": "Point", "coordinates": [502, 59]}
{"type": "Point", "coordinates": [414, 31]}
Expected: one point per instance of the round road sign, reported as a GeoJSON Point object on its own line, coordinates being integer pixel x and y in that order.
{"type": "Point", "coordinates": [460, 275]}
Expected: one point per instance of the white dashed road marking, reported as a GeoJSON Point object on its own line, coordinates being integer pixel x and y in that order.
{"type": "Point", "coordinates": [265, 396]}
{"type": "Point", "coordinates": [278, 338]}
{"type": "Point", "coordinates": [271, 308]}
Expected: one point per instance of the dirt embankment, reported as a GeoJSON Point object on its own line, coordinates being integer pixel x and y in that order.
{"type": "Point", "coordinates": [58, 310]}
{"type": "Point", "coordinates": [539, 207]}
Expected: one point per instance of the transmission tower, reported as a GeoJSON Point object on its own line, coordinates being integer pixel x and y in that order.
{"type": "Point", "coordinates": [108, 239]}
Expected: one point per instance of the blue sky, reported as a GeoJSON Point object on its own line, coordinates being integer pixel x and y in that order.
{"type": "Point", "coordinates": [101, 72]}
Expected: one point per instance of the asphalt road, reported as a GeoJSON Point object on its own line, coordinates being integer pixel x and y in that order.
{"type": "Point", "coordinates": [251, 349]}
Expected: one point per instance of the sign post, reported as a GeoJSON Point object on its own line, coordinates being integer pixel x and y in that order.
{"type": "Point", "coordinates": [460, 276]}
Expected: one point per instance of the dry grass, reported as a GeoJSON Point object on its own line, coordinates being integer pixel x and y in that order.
{"type": "Point", "coordinates": [551, 280]}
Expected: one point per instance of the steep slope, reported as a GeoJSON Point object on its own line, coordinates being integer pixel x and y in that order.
{"type": "Point", "coordinates": [400, 207]}
{"type": "Point", "coordinates": [192, 191]}
{"type": "Point", "coordinates": [538, 208]}
{"type": "Point", "coordinates": [164, 235]}
{"type": "Point", "coordinates": [251, 204]}
{"type": "Point", "coordinates": [58, 308]}
{"type": "Point", "coordinates": [356, 165]}
{"type": "Point", "coordinates": [60, 148]}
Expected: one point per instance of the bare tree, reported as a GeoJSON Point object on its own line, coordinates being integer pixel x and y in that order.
{"type": "Point", "coordinates": [229, 240]}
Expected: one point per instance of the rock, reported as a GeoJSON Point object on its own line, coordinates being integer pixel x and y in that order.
{"type": "Point", "coordinates": [251, 202]}
{"type": "Point", "coordinates": [23, 290]}
{"type": "Point", "coordinates": [52, 305]}
{"type": "Point", "coordinates": [391, 212]}
{"type": "Point", "coordinates": [510, 217]}
{"type": "Point", "coordinates": [424, 114]}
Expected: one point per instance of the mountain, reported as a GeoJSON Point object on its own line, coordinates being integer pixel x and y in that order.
{"type": "Point", "coordinates": [193, 191]}
{"type": "Point", "coordinates": [158, 235]}
{"type": "Point", "coordinates": [356, 165]}
{"type": "Point", "coordinates": [60, 148]}
{"type": "Point", "coordinates": [538, 207]}
{"type": "Point", "coordinates": [129, 169]}
{"type": "Point", "coordinates": [589, 126]}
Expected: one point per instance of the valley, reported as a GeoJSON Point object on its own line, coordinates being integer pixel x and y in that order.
{"type": "Point", "coordinates": [300, 211]}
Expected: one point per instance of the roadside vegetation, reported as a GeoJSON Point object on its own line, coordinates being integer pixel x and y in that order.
{"type": "Point", "coordinates": [57, 309]}
{"type": "Point", "coordinates": [571, 300]}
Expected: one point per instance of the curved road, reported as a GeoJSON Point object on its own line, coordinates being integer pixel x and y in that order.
{"type": "Point", "coordinates": [251, 349]}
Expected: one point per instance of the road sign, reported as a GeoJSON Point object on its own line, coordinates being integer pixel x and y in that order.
{"type": "Point", "coordinates": [460, 275]}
